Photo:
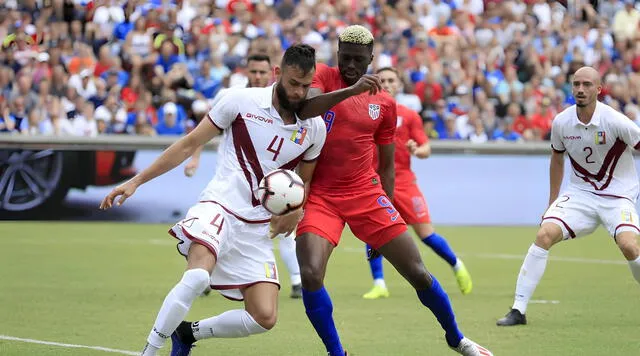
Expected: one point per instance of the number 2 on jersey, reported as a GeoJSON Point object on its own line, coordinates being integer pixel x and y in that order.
{"type": "Point", "coordinates": [587, 159]}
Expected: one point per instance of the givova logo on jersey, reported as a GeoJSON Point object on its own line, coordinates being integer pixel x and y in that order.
{"type": "Point", "coordinates": [374, 111]}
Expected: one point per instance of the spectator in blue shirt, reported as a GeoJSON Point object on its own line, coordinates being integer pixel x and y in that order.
{"type": "Point", "coordinates": [167, 58]}
{"type": "Point", "coordinates": [504, 132]}
{"type": "Point", "coordinates": [168, 122]}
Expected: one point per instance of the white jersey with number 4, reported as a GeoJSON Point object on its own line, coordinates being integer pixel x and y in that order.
{"type": "Point", "coordinates": [256, 141]}
{"type": "Point", "coordinates": [600, 152]}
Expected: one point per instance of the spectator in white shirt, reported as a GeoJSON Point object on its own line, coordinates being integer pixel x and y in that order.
{"type": "Point", "coordinates": [84, 123]}
{"type": "Point", "coordinates": [113, 115]}
{"type": "Point", "coordinates": [84, 83]}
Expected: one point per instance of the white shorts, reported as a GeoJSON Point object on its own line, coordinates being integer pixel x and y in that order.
{"type": "Point", "coordinates": [579, 213]}
{"type": "Point", "coordinates": [243, 250]}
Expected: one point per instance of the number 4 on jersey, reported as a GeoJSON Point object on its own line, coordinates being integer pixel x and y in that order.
{"type": "Point", "coordinates": [272, 146]}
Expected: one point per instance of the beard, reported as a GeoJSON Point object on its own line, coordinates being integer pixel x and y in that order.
{"type": "Point", "coordinates": [284, 101]}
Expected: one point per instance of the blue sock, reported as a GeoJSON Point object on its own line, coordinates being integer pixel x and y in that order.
{"type": "Point", "coordinates": [319, 309]}
{"type": "Point", "coordinates": [437, 301]}
{"type": "Point", "coordinates": [376, 266]}
{"type": "Point", "coordinates": [440, 246]}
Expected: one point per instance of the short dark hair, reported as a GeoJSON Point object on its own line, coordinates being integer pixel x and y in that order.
{"type": "Point", "coordinates": [259, 57]}
{"type": "Point", "coordinates": [300, 55]}
{"type": "Point", "coordinates": [391, 69]}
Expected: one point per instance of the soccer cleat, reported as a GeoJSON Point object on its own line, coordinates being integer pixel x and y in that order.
{"type": "Point", "coordinates": [467, 347]}
{"type": "Point", "coordinates": [464, 279]}
{"type": "Point", "coordinates": [376, 292]}
{"type": "Point", "coordinates": [513, 317]}
{"type": "Point", "coordinates": [296, 291]}
{"type": "Point", "coordinates": [178, 347]}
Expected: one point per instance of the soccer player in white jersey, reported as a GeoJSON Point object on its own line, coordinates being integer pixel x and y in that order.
{"type": "Point", "coordinates": [226, 236]}
{"type": "Point", "coordinates": [259, 74]}
{"type": "Point", "coordinates": [603, 188]}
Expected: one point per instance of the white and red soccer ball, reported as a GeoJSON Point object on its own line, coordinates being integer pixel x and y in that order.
{"type": "Point", "coordinates": [281, 191]}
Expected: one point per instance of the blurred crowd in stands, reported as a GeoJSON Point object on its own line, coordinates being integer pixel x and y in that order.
{"type": "Point", "coordinates": [477, 70]}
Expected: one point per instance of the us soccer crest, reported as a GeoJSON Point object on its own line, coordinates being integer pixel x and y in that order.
{"type": "Point", "coordinates": [374, 111]}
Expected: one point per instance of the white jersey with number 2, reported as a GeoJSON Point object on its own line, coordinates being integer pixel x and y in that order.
{"type": "Point", "coordinates": [599, 152]}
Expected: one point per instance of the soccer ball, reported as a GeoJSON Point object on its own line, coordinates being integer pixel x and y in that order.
{"type": "Point", "coordinates": [281, 191]}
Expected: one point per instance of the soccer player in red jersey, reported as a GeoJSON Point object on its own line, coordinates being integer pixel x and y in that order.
{"type": "Point", "coordinates": [346, 189]}
{"type": "Point", "coordinates": [411, 140]}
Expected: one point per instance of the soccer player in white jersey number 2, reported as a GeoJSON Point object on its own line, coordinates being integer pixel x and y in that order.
{"type": "Point", "coordinates": [226, 236]}
{"type": "Point", "coordinates": [603, 187]}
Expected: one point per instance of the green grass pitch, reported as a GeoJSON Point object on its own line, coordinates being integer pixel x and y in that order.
{"type": "Point", "coordinates": [101, 285]}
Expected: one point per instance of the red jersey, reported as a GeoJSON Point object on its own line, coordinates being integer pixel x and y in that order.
{"type": "Point", "coordinates": [409, 126]}
{"type": "Point", "coordinates": [354, 127]}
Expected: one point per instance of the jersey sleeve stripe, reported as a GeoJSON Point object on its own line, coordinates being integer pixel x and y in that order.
{"type": "Point", "coordinates": [558, 151]}
{"type": "Point", "coordinates": [637, 146]}
{"type": "Point", "coordinates": [214, 123]}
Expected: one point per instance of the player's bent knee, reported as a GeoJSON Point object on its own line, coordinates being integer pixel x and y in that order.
{"type": "Point", "coordinates": [312, 277]}
{"type": "Point", "coordinates": [265, 317]}
{"type": "Point", "coordinates": [628, 243]}
{"type": "Point", "coordinates": [420, 278]}
{"type": "Point", "coordinates": [196, 279]}
{"type": "Point", "coordinates": [548, 235]}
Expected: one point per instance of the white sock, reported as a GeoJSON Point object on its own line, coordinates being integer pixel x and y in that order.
{"type": "Point", "coordinates": [530, 274]}
{"type": "Point", "coordinates": [635, 268]}
{"type": "Point", "coordinates": [232, 323]}
{"type": "Point", "coordinates": [379, 282]}
{"type": "Point", "coordinates": [176, 306]}
{"type": "Point", "coordinates": [457, 266]}
{"type": "Point", "coordinates": [288, 255]}
{"type": "Point", "coordinates": [150, 350]}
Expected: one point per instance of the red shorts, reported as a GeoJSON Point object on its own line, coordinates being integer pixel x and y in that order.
{"type": "Point", "coordinates": [410, 202]}
{"type": "Point", "coordinates": [370, 215]}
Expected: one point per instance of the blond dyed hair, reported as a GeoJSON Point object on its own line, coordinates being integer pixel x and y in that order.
{"type": "Point", "coordinates": [356, 34]}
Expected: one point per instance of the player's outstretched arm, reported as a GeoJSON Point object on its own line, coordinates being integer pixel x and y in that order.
{"type": "Point", "coordinates": [386, 168]}
{"type": "Point", "coordinates": [318, 103]}
{"type": "Point", "coordinates": [170, 158]}
{"type": "Point", "coordinates": [556, 173]}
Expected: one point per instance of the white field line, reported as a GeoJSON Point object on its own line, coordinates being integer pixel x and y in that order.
{"type": "Point", "coordinates": [487, 256]}
{"type": "Point", "coordinates": [71, 346]}
{"type": "Point", "coordinates": [502, 256]}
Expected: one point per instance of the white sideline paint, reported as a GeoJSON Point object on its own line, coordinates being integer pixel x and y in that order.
{"type": "Point", "coordinates": [500, 256]}
{"type": "Point", "coordinates": [71, 346]}
{"type": "Point", "coordinates": [486, 256]}
{"type": "Point", "coordinates": [543, 301]}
